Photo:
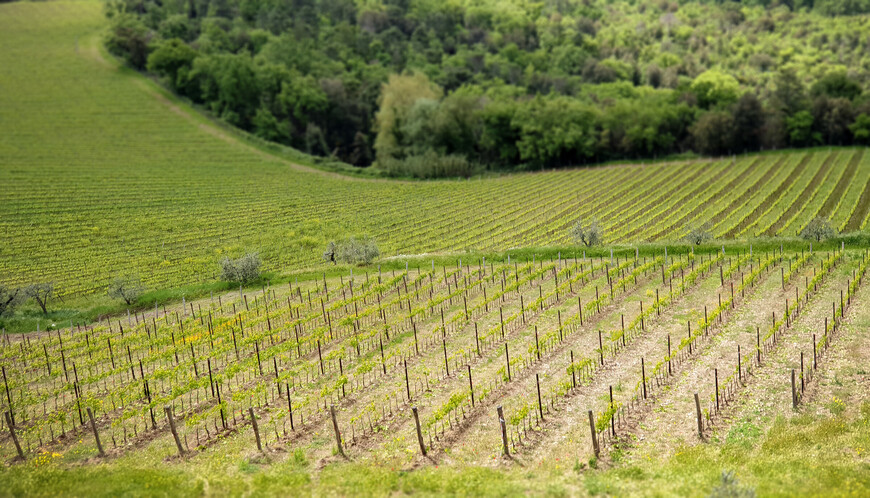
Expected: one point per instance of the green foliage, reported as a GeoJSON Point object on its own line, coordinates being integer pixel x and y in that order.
{"type": "Point", "coordinates": [128, 289]}
{"type": "Point", "coordinates": [509, 85]}
{"type": "Point", "coordinates": [842, 7]}
{"type": "Point", "coordinates": [818, 229]}
{"type": "Point", "coordinates": [555, 131]}
{"type": "Point", "coordinates": [587, 233]}
{"type": "Point", "coordinates": [128, 38]}
{"type": "Point", "coordinates": [714, 133]}
{"type": "Point", "coordinates": [169, 59]}
{"type": "Point", "coordinates": [228, 83]}
{"type": "Point", "coordinates": [243, 270]}
{"type": "Point", "coordinates": [698, 235]}
{"type": "Point", "coordinates": [352, 251]}
{"type": "Point", "coordinates": [429, 164]}
{"type": "Point", "coordinates": [800, 129]}
{"type": "Point", "coordinates": [861, 129]}
{"type": "Point", "coordinates": [10, 298]}
{"type": "Point", "coordinates": [715, 88]}
{"type": "Point", "coordinates": [837, 84]}
{"type": "Point", "coordinates": [399, 97]}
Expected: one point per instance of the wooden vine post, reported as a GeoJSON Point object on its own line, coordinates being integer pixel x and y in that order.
{"type": "Point", "coordinates": [256, 429]}
{"type": "Point", "coordinates": [419, 431]}
{"type": "Point", "coordinates": [594, 434]}
{"type": "Point", "coordinates": [15, 437]}
{"type": "Point", "coordinates": [470, 385]}
{"type": "Point", "coordinates": [96, 434]}
{"type": "Point", "coordinates": [335, 428]}
{"type": "Point", "coordinates": [171, 420]}
{"type": "Point", "coordinates": [504, 437]}
{"type": "Point", "coordinates": [794, 399]}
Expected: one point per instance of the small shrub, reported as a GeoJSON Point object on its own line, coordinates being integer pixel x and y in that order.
{"type": "Point", "coordinates": [352, 251]}
{"type": "Point", "coordinates": [127, 288]}
{"type": "Point", "coordinates": [243, 270]}
{"type": "Point", "coordinates": [589, 234]}
{"type": "Point", "coordinates": [698, 235]}
{"type": "Point", "coordinates": [818, 229]}
{"type": "Point", "coordinates": [429, 165]}
{"type": "Point", "coordinates": [730, 487]}
{"type": "Point", "coordinates": [358, 251]}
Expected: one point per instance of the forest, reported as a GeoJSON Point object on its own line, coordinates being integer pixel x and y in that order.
{"type": "Point", "coordinates": [431, 88]}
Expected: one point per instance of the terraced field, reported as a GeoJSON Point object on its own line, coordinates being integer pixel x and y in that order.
{"type": "Point", "coordinates": [106, 175]}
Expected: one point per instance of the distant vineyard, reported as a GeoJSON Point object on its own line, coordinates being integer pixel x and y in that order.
{"type": "Point", "coordinates": [534, 338]}
{"type": "Point", "coordinates": [104, 176]}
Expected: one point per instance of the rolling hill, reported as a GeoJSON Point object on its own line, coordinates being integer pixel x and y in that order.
{"type": "Point", "coordinates": [105, 174]}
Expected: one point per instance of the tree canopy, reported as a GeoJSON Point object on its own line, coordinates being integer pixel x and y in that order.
{"type": "Point", "coordinates": [511, 84]}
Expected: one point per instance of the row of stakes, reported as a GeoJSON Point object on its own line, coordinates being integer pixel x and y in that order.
{"type": "Point", "coordinates": [795, 393]}
{"type": "Point", "coordinates": [499, 411]}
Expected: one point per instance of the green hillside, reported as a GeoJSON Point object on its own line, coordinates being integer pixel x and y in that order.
{"type": "Point", "coordinates": [503, 359]}
{"type": "Point", "coordinates": [105, 175]}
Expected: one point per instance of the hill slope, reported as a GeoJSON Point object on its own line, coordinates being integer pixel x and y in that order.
{"type": "Point", "coordinates": [103, 174]}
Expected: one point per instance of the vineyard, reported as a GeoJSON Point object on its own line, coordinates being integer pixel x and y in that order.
{"type": "Point", "coordinates": [466, 363]}
{"type": "Point", "coordinates": [149, 186]}
{"type": "Point", "coordinates": [533, 359]}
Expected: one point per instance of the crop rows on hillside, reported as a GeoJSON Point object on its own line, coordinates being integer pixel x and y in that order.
{"type": "Point", "coordinates": [544, 340]}
{"type": "Point", "coordinates": [104, 176]}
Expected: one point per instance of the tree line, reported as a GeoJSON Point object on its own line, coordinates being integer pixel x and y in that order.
{"type": "Point", "coordinates": [428, 88]}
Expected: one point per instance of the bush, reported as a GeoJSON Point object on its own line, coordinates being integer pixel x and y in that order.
{"type": "Point", "coordinates": [588, 234]}
{"type": "Point", "coordinates": [818, 229]}
{"type": "Point", "coordinates": [9, 299]}
{"type": "Point", "coordinates": [352, 251]}
{"type": "Point", "coordinates": [698, 235]}
{"type": "Point", "coordinates": [127, 288]}
{"type": "Point", "coordinates": [429, 165]}
{"type": "Point", "coordinates": [243, 270]}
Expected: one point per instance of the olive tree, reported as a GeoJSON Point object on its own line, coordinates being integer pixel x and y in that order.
{"type": "Point", "coordinates": [127, 288]}
{"type": "Point", "coordinates": [698, 235]}
{"type": "Point", "coordinates": [243, 270]}
{"type": "Point", "coordinates": [41, 293]}
{"type": "Point", "coordinates": [818, 229]}
{"type": "Point", "coordinates": [352, 251]}
{"type": "Point", "coordinates": [589, 234]}
{"type": "Point", "coordinates": [329, 254]}
{"type": "Point", "coordinates": [9, 299]}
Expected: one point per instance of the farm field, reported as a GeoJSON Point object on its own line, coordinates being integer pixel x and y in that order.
{"type": "Point", "coordinates": [546, 341]}
{"type": "Point", "coordinates": [484, 352]}
{"type": "Point", "coordinates": [107, 174]}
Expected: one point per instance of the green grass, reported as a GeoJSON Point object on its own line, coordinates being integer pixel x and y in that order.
{"type": "Point", "coordinates": [108, 175]}
{"type": "Point", "coordinates": [798, 456]}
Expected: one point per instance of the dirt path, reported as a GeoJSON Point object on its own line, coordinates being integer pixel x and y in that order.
{"type": "Point", "coordinates": [481, 443]}
{"type": "Point", "coordinates": [768, 391]}
{"type": "Point", "coordinates": [675, 424]}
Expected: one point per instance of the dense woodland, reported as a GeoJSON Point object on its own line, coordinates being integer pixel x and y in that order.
{"type": "Point", "coordinates": [446, 88]}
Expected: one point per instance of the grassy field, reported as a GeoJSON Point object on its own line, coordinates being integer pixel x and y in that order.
{"type": "Point", "coordinates": [105, 174]}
